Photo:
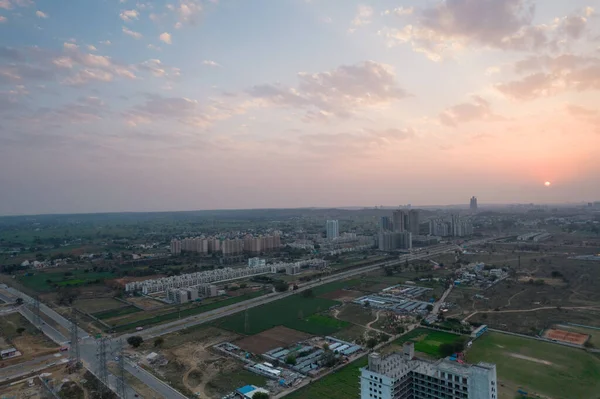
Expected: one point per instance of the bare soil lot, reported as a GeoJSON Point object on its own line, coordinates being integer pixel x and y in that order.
{"type": "Point", "coordinates": [29, 341]}
{"type": "Point", "coordinates": [270, 339]}
{"type": "Point", "coordinates": [146, 303]}
{"type": "Point", "coordinates": [342, 295]}
{"type": "Point", "coordinates": [97, 305]}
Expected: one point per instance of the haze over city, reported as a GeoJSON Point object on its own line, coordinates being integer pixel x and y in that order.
{"type": "Point", "coordinates": [190, 104]}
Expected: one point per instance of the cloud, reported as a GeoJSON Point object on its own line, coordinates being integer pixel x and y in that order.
{"type": "Point", "coordinates": [340, 92]}
{"type": "Point", "coordinates": [552, 75]}
{"type": "Point", "coordinates": [71, 66]}
{"type": "Point", "coordinates": [129, 15]}
{"type": "Point", "coordinates": [106, 42]}
{"type": "Point", "coordinates": [400, 11]}
{"type": "Point", "coordinates": [590, 116]}
{"type": "Point", "coordinates": [135, 35]}
{"type": "Point", "coordinates": [92, 48]}
{"type": "Point", "coordinates": [41, 14]}
{"type": "Point", "coordinates": [10, 4]}
{"type": "Point", "coordinates": [2, 19]}
{"type": "Point", "coordinates": [363, 16]}
{"type": "Point", "coordinates": [183, 110]}
{"type": "Point", "coordinates": [211, 63]}
{"type": "Point", "coordinates": [158, 69]}
{"type": "Point", "coordinates": [452, 25]}
{"type": "Point", "coordinates": [187, 11]}
{"type": "Point", "coordinates": [477, 109]}
{"type": "Point", "coordinates": [165, 37]}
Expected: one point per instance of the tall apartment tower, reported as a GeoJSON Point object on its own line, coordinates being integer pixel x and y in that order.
{"type": "Point", "coordinates": [402, 376]}
{"type": "Point", "coordinates": [333, 229]}
{"type": "Point", "coordinates": [414, 221]}
{"type": "Point", "coordinates": [473, 204]}
{"type": "Point", "coordinates": [386, 224]}
{"type": "Point", "coordinates": [399, 219]}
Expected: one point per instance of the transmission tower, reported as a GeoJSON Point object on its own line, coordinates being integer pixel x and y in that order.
{"type": "Point", "coordinates": [74, 355]}
{"type": "Point", "coordinates": [121, 386]}
{"type": "Point", "coordinates": [101, 354]}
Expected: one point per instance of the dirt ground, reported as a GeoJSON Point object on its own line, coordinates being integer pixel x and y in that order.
{"type": "Point", "coordinates": [30, 342]}
{"type": "Point", "coordinates": [566, 336]}
{"type": "Point", "coordinates": [270, 339]}
{"type": "Point", "coordinates": [343, 295]}
{"type": "Point", "coordinates": [97, 304]}
{"type": "Point", "coordinates": [146, 303]}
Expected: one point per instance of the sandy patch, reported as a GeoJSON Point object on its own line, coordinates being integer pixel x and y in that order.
{"type": "Point", "coordinates": [531, 359]}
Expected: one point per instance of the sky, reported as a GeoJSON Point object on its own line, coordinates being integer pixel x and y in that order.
{"type": "Point", "coordinates": [149, 105]}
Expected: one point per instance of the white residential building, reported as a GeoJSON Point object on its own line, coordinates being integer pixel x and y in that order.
{"type": "Point", "coordinates": [333, 229]}
{"type": "Point", "coordinates": [402, 376]}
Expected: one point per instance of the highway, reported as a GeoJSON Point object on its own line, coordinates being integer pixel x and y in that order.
{"type": "Point", "coordinates": [212, 315]}
{"type": "Point", "coordinates": [87, 349]}
{"type": "Point", "coordinates": [87, 344]}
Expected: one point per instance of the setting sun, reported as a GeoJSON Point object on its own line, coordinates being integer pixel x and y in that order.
{"type": "Point", "coordinates": [547, 184]}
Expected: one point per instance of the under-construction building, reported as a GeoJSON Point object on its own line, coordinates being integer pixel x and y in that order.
{"type": "Point", "coordinates": [402, 376]}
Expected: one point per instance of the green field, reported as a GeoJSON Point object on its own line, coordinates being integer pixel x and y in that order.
{"type": "Point", "coordinates": [427, 341]}
{"type": "Point", "coordinates": [185, 312]}
{"type": "Point", "coordinates": [342, 384]}
{"type": "Point", "coordinates": [553, 370]}
{"type": "Point", "coordinates": [296, 312]}
{"type": "Point", "coordinates": [43, 281]}
{"type": "Point", "coordinates": [108, 314]}
{"type": "Point", "coordinates": [337, 285]}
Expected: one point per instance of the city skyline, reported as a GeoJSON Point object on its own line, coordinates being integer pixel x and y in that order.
{"type": "Point", "coordinates": [114, 106]}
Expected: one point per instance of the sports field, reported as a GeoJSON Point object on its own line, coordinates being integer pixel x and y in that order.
{"type": "Point", "coordinates": [556, 371]}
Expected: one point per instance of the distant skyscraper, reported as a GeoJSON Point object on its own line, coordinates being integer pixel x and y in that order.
{"type": "Point", "coordinates": [333, 229]}
{"type": "Point", "coordinates": [399, 217]}
{"type": "Point", "coordinates": [473, 204]}
{"type": "Point", "coordinates": [386, 224]}
{"type": "Point", "coordinates": [414, 221]}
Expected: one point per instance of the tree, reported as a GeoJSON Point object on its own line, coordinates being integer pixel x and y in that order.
{"type": "Point", "coordinates": [291, 360]}
{"type": "Point", "coordinates": [20, 330]}
{"type": "Point", "coordinates": [371, 342]}
{"type": "Point", "coordinates": [400, 329]}
{"type": "Point", "coordinates": [446, 349]}
{"type": "Point", "coordinates": [19, 301]}
{"type": "Point", "coordinates": [429, 307]}
{"type": "Point", "coordinates": [260, 395]}
{"type": "Point", "coordinates": [135, 341]}
{"type": "Point", "coordinates": [325, 346]}
{"type": "Point", "coordinates": [158, 341]}
{"type": "Point", "coordinates": [281, 286]}
{"type": "Point", "coordinates": [328, 359]}
{"type": "Point", "coordinates": [67, 295]}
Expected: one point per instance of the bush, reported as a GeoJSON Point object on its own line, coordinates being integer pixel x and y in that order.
{"type": "Point", "coordinates": [159, 341]}
{"type": "Point", "coordinates": [291, 360]}
{"type": "Point", "coordinates": [135, 341]}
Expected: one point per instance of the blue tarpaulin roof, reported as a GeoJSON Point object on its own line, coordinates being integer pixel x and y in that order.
{"type": "Point", "coordinates": [246, 389]}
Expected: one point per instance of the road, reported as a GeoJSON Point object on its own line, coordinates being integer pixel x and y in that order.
{"type": "Point", "coordinates": [212, 315]}
{"type": "Point", "coordinates": [87, 345]}
{"type": "Point", "coordinates": [87, 349]}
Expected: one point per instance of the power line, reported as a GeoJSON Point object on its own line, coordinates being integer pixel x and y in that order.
{"type": "Point", "coordinates": [121, 385]}
{"type": "Point", "coordinates": [101, 352]}
{"type": "Point", "coordinates": [74, 355]}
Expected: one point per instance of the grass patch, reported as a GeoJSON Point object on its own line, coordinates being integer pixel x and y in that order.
{"type": "Point", "coordinates": [428, 341]}
{"type": "Point", "coordinates": [342, 384]}
{"type": "Point", "coordinates": [336, 285]}
{"type": "Point", "coordinates": [544, 368]}
{"type": "Point", "coordinates": [107, 314]}
{"type": "Point", "coordinates": [293, 312]}
{"type": "Point", "coordinates": [186, 312]}
{"type": "Point", "coordinates": [44, 281]}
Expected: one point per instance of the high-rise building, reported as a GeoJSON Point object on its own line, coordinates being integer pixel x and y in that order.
{"type": "Point", "coordinates": [386, 224]}
{"type": "Point", "coordinates": [391, 241]}
{"type": "Point", "coordinates": [414, 221]}
{"type": "Point", "coordinates": [333, 229]}
{"type": "Point", "coordinates": [399, 218]}
{"type": "Point", "coordinates": [402, 376]}
{"type": "Point", "coordinates": [473, 204]}
{"type": "Point", "coordinates": [175, 247]}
